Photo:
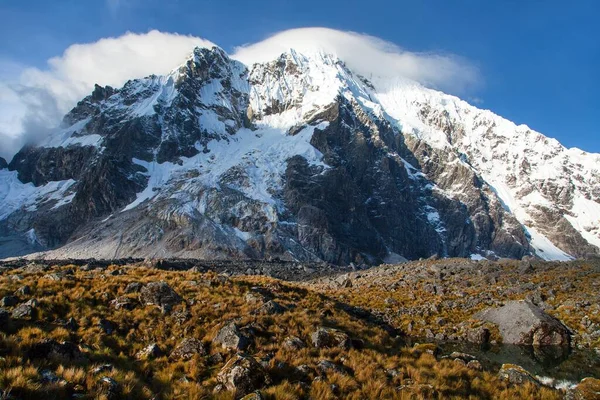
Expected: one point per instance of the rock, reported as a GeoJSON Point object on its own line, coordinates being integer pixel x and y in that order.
{"type": "Point", "coordinates": [326, 366]}
{"type": "Point", "coordinates": [329, 337]}
{"type": "Point", "coordinates": [149, 352]}
{"type": "Point", "coordinates": [516, 375]}
{"type": "Point", "coordinates": [9, 301]}
{"type": "Point", "coordinates": [230, 337]}
{"type": "Point", "coordinates": [242, 375]}
{"type": "Point", "coordinates": [463, 356]}
{"type": "Point", "coordinates": [47, 376]}
{"type": "Point", "coordinates": [4, 317]}
{"type": "Point", "coordinates": [293, 343]}
{"type": "Point", "coordinates": [525, 267]}
{"type": "Point", "coordinates": [524, 323]}
{"type": "Point", "coordinates": [478, 335]}
{"type": "Point", "coordinates": [102, 368]}
{"type": "Point", "coordinates": [475, 364]}
{"type": "Point", "coordinates": [587, 389]}
{"type": "Point", "coordinates": [188, 348]}
{"type": "Point", "coordinates": [108, 388]}
{"type": "Point", "coordinates": [159, 294]}
{"type": "Point", "coordinates": [123, 302]}
{"type": "Point", "coordinates": [253, 396]}
{"type": "Point", "coordinates": [271, 307]}
{"type": "Point", "coordinates": [23, 291]}
{"type": "Point", "coordinates": [72, 324]}
{"type": "Point", "coordinates": [133, 287]}
{"type": "Point", "coordinates": [51, 349]}
{"type": "Point", "coordinates": [23, 311]}
{"type": "Point", "coordinates": [181, 315]}
{"type": "Point", "coordinates": [107, 326]}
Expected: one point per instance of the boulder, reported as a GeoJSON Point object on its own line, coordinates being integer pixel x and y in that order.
{"type": "Point", "coordinates": [325, 366]}
{"type": "Point", "coordinates": [230, 337]}
{"type": "Point", "coordinates": [123, 302]}
{"type": "Point", "coordinates": [4, 317]}
{"type": "Point", "coordinates": [23, 311]}
{"type": "Point", "coordinates": [329, 337]}
{"type": "Point", "coordinates": [523, 323]}
{"type": "Point", "coordinates": [293, 343]}
{"type": "Point", "coordinates": [108, 388]}
{"type": "Point", "coordinates": [159, 294]}
{"type": "Point", "coordinates": [271, 307]}
{"type": "Point", "coordinates": [149, 352]}
{"type": "Point", "coordinates": [107, 326]}
{"type": "Point", "coordinates": [23, 291]}
{"type": "Point", "coordinates": [51, 349]}
{"type": "Point", "coordinates": [188, 348]}
{"type": "Point", "coordinates": [9, 301]}
{"type": "Point", "coordinates": [587, 389]}
{"type": "Point", "coordinates": [133, 287]}
{"type": "Point", "coordinates": [480, 335]}
{"type": "Point", "coordinates": [516, 375]}
{"type": "Point", "coordinates": [242, 375]}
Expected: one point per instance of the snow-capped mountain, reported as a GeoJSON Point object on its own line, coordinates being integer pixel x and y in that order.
{"type": "Point", "coordinates": [298, 159]}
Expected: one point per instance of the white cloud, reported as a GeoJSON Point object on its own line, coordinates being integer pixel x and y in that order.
{"type": "Point", "coordinates": [40, 97]}
{"type": "Point", "coordinates": [369, 56]}
{"type": "Point", "coordinates": [37, 98]}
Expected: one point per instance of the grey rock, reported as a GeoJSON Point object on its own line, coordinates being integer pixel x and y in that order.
{"type": "Point", "coordinates": [329, 337]}
{"type": "Point", "coordinates": [159, 294]}
{"type": "Point", "coordinates": [123, 302]}
{"type": "Point", "coordinates": [23, 291]}
{"type": "Point", "coordinates": [108, 388]}
{"type": "Point", "coordinates": [133, 287]}
{"type": "Point", "coordinates": [230, 337]}
{"type": "Point", "coordinates": [326, 366]}
{"type": "Point", "coordinates": [524, 323]}
{"type": "Point", "coordinates": [188, 348]}
{"type": "Point", "coordinates": [271, 307]}
{"type": "Point", "coordinates": [480, 335]}
{"type": "Point", "coordinates": [516, 375]}
{"type": "Point", "coordinates": [23, 311]}
{"type": "Point", "coordinates": [149, 352]}
{"type": "Point", "coordinates": [242, 375]}
{"type": "Point", "coordinates": [293, 343]}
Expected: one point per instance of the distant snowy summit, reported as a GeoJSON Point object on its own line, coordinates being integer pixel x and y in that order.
{"type": "Point", "coordinates": [300, 159]}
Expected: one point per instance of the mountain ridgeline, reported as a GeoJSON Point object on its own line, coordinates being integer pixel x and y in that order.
{"type": "Point", "coordinates": [299, 159]}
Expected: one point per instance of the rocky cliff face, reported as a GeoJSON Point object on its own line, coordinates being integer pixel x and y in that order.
{"type": "Point", "coordinates": [297, 159]}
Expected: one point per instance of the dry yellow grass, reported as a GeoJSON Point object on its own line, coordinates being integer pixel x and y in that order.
{"type": "Point", "coordinates": [210, 301]}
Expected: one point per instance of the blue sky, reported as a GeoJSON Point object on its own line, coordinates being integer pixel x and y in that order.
{"type": "Point", "coordinates": [539, 60]}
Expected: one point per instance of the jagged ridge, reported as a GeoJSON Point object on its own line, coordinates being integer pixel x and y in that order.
{"type": "Point", "coordinates": [297, 158]}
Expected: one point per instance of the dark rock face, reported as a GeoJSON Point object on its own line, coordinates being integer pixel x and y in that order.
{"type": "Point", "coordinates": [3, 163]}
{"type": "Point", "coordinates": [242, 375]}
{"type": "Point", "coordinates": [159, 294]}
{"type": "Point", "coordinates": [523, 323]}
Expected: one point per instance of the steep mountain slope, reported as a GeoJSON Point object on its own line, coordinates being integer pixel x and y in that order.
{"type": "Point", "coordinates": [297, 158]}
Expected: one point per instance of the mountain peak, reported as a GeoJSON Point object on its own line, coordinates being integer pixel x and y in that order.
{"type": "Point", "coordinates": [298, 158]}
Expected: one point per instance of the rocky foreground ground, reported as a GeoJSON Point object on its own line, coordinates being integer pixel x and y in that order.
{"type": "Point", "coordinates": [186, 330]}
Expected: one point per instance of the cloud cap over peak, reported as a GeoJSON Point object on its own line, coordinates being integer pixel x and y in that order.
{"type": "Point", "coordinates": [35, 99]}
{"type": "Point", "coordinates": [369, 56]}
